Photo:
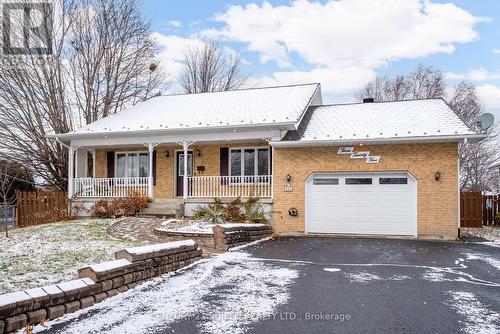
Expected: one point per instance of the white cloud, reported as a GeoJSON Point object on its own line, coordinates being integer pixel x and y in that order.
{"type": "Point", "coordinates": [342, 80]}
{"type": "Point", "coordinates": [347, 32]}
{"type": "Point", "coordinates": [172, 51]}
{"type": "Point", "coordinates": [496, 51]}
{"type": "Point", "coordinates": [175, 24]}
{"type": "Point", "coordinates": [478, 74]}
{"type": "Point", "coordinates": [345, 36]}
{"type": "Point", "coordinates": [490, 95]}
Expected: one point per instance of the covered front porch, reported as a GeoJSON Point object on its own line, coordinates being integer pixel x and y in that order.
{"type": "Point", "coordinates": [213, 170]}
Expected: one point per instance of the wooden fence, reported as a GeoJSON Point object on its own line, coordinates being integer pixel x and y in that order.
{"type": "Point", "coordinates": [41, 207]}
{"type": "Point", "coordinates": [477, 210]}
{"type": "Point", "coordinates": [491, 208]}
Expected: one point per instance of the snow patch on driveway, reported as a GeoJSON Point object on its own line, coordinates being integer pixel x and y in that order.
{"type": "Point", "coordinates": [228, 293]}
{"type": "Point", "coordinates": [434, 276]}
{"type": "Point", "coordinates": [362, 277]}
{"type": "Point", "coordinates": [478, 318]}
{"type": "Point", "coordinates": [482, 257]}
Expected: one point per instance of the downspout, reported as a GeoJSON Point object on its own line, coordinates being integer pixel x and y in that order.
{"type": "Point", "coordinates": [458, 190]}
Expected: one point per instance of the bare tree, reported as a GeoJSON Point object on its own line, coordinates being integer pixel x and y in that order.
{"type": "Point", "coordinates": [111, 66]}
{"type": "Point", "coordinates": [475, 159]}
{"type": "Point", "coordinates": [428, 82]}
{"type": "Point", "coordinates": [424, 83]}
{"type": "Point", "coordinates": [209, 68]}
{"type": "Point", "coordinates": [100, 63]}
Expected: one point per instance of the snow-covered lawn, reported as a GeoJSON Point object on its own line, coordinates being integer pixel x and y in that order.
{"type": "Point", "coordinates": [50, 253]}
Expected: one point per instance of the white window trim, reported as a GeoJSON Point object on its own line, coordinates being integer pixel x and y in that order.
{"type": "Point", "coordinates": [256, 165]}
{"type": "Point", "coordinates": [126, 169]}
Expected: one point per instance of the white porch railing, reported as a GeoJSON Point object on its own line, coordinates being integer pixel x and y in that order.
{"type": "Point", "coordinates": [110, 187]}
{"type": "Point", "coordinates": [230, 186]}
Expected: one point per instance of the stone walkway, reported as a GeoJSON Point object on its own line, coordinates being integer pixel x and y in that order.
{"type": "Point", "coordinates": [142, 229]}
{"type": "Point", "coordinates": [136, 229]}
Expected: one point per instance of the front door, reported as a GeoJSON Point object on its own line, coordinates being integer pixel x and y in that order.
{"type": "Point", "coordinates": [179, 186]}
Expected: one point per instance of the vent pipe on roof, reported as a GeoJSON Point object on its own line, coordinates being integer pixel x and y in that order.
{"type": "Point", "coordinates": [368, 100]}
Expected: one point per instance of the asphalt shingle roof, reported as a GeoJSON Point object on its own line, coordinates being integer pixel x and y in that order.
{"type": "Point", "coordinates": [246, 107]}
{"type": "Point", "coordinates": [380, 120]}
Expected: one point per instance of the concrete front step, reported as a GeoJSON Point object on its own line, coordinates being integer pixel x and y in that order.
{"type": "Point", "coordinates": [163, 207]}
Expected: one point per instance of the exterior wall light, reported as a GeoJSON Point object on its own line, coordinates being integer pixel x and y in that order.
{"type": "Point", "coordinates": [167, 154]}
{"type": "Point", "coordinates": [288, 177]}
{"type": "Point", "coordinates": [437, 176]}
{"type": "Point", "coordinates": [198, 153]}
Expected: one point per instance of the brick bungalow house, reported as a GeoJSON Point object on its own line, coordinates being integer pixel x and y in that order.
{"type": "Point", "coordinates": [388, 168]}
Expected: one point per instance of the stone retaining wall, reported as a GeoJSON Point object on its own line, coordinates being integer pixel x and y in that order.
{"type": "Point", "coordinates": [232, 235]}
{"type": "Point", "coordinates": [205, 241]}
{"type": "Point", "coordinates": [97, 282]}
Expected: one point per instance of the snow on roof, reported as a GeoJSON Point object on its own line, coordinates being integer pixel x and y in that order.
{"type": "Point", "coordinates": [245, 107]}
{"type": "Point", "coordinates": [379, 121]}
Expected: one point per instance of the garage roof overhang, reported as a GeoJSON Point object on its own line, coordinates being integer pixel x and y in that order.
{"type": "Point", "coordinates": [381, 141]}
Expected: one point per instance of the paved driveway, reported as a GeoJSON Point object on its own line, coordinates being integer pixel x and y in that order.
{"type": "Point", "coordinates": [315, 285]}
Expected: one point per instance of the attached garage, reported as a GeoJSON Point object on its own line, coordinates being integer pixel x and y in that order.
{"type": "Point", "coordinates": [361, 203]}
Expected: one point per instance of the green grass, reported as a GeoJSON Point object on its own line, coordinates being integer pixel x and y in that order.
{"type": "Point", "coordinates": [50, 253]}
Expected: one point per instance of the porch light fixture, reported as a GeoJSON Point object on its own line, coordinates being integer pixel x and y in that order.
{"type": "Point", "coordinates": [167, 154]}
{"type": "Point", "coordinates": [288, 177]}
{"type": "Point", "coordinates": [437, 176]}
{"type": "Point", "coordinates": [198, 153]}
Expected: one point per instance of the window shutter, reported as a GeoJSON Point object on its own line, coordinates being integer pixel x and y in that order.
{"type": "Point", "coordinates": [154, 167]}
{"type": "Point", "coordinates": [224, 162]}
{"type": "Point", "coordinates": [111, 164]}
{"type": "Point", "coordinates": [270, 161]}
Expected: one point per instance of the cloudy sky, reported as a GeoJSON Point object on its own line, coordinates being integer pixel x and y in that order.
{"type": "Point", "coordinates": [342, 44]}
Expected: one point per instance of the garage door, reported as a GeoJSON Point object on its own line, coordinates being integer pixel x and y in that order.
{"type": "Point", "coordinates": [371, 203]}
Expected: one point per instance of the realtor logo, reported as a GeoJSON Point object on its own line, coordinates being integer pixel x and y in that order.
{"type": "Point", "coordinates": [27, 28]}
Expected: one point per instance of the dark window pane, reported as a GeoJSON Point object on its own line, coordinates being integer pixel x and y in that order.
{"type": "Point", "coordinates": [358, 181]}
{"type": "Point", "coordinates": [321, 181]}
{"type": "Point", "coordinates": [143, 164]}
{"type": "Point", "coordinates": [263, 161]}
{"type": "Point", "coordinates": [235, 162]}
{"type": "Point", "coordinates": [249, 165]}
{"type": "Point", "coordinates": [393, 180]}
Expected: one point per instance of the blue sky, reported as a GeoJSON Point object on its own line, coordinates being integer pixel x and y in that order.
{"type": "Point", "coordinates": [341, 44]}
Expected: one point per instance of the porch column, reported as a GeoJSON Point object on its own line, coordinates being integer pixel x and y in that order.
{"type": "Point", "coordinates": [92, 152]}
{"type": "Point", "coordinates": [151, 147]}
{"type": "Point", "coordinates": [185, 146]}
{"type": "Point", "coordinates": [71, 159]}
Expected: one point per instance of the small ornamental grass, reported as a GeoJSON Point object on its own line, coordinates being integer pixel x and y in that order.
{"type": "Point", "coordinates": [236, 211]}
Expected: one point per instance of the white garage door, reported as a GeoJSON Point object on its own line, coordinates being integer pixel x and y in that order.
{"type": "Point", "coordinates": [368, 203]}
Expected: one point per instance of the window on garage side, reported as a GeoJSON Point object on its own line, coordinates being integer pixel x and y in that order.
{"type": "Point", "coordinates": [325, 181]}
{"type": "Point", "coordinates": [358, 180]}
{"type": "Point", "coordinates": [393, 180]}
